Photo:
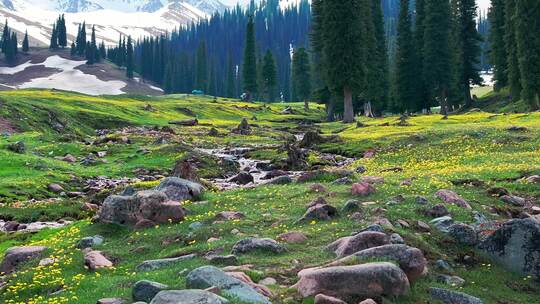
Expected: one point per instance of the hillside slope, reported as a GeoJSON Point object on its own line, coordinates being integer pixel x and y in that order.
{"type": "Point", "coordinates": [132, 143]}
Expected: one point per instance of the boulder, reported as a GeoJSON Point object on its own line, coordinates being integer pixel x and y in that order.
{"type": "Point", "coordinates": [516, 245]}
{"type": "Point", "coordinates": [179, 190]}
{"type": "Point", "coordinates": [319, 212]}
{"type": "Point", "coordinates": [533, 179]}
{"type": "Point", "coordinates": [210, 276]}
{"type": "Point", "coordinates": [55, 188]}
{"type": "Point", "coordinates": [395, 238]}
{"type": "Point", "coordinates": [69, 159]}
{"type": "Point", "coordinates": [280, 180]}
{"type": "Point", "coordinates": [18, 147]}
{"type": "Point", "coordinates": [229, 216]}
{"type": "Point", "coordinates": [420, 200]}
{"type": "Point", "coordinates": [242, 178]}
{"type": "Point", "coordinates": [463, 234]}
{"type": "Point", "coordinates": [363, 189]}
{"type": "Point", "coordinates": [161, 263]}
{"type": "Point", "coordinates": [513, 200]}
{"type": "Point", "coordinates": [119, 210]}
{"type": "Point", "coordinates": [95, 260]}
{"type": "Point", "coordinates": [351, 206]}
{"type": "Point", "coordinates": [411, 260]}
{"type": "Point", "coordinates": [358, 281]}
{"type": "Point", "coordinates": [111, 301]}
{"type": "Point", "coordinates": [372, 179]}
{"type": "Point", "coordinates": [15, 256]}
{"type": "Point", "coordinates": [368, 301]}
{"type": "Point", "coordinates": [253, 244]}
{"type": "Point", "coordinates": [193, 296]}
{"type": "Point", "coordinates": [323, 299]}
{"type": "Point", "coordinates": [452, 297]}
{"type": "Point", "coordinates": [437, 211]}
{"type": "Point", "coordinates": [450, 197]}
{"type": "Point", "coordinates": [293, 237]}
{"type": "Point", "coordinates": [261, 289]}
{"type": "Point", "coordinates": [442, 223]}
{"type": "Point", "coordinates": [317, 188]}
{"type": "Point", "coordinates": [348, 245]}
{"type": "Point", "coordinates": [89, 242]}
{"type": "Point", "coordinates": [145, 290]}
{"type": "Point", "coordinates": [229, 260]}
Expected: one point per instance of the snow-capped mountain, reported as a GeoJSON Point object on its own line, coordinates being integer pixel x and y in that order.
{"type": "Point", "coordinates": [111, 18]}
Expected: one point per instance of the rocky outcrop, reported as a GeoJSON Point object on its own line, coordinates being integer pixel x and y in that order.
{"type": "Point", "coordinates": [145, 290]}
{"type": "Point", "coordinates": [450, 197]}
{"type": "Point", "coordinates": [348, 245]}
{"type": "Point", "coordinates": [96, 260]}
{"type": "Point", "coordinates": [179, 190]}
{"type": "Point", "coordinates": [358, 281]}
{"type": "Point", "coordinates": [16, 256]}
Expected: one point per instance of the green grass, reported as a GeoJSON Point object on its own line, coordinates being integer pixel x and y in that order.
{"type": "Point", "coordinates": [433, 151]}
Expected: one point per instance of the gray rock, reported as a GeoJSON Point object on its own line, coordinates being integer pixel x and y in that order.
{"type": "Point", "coordinates": [321, 212]}
{"type": "Point", "coordinates": [438, 210]}
{"type": "Point", "coordinates": [111, 301]}
{"type": "Point", "coordinates": [442, 223]}
{"type": "Point", "coordinates": [228, 260]}
{"type": "Point", "coordinates": [516, 245]}
{"type": "Point", "coordinates": [372, 227]}
{"type": "Point", "coordinates": [193, 296]}
{"type": "Point", "coordinates": [280, 180]}
{"type": "Point", "coordinates": [178, 189]}
{"type": "Point", "coordinates": [195, 225]}
{"type": "Point", "coordinates": [161, 263]}
{"type": "Point", "coordinates": [253, 244]}
{"type": "Point", "coordinates": [443, 265]}
{"type": "Point", "coordinates": [513, 200]}
{"type": "Point", "coordinates": [146, 290]}
{"type": "Point", "coordinates": [453, 297]}
{"type": "Point", "coordinates": [395, 238]}
{"type": "Point", "coordinates": [90, 241]}
{"type": "Point", "coordinates": [242, 178]}
{"type": "Point", "coordinates": [351, 206]}
{"type": "Point", "coordinates": [208, 276]}
{"type": "Point", "coordinates": [18, 147]}
{"type": "Point", "coordinates": [420, 200]}
{"type": "Point", "coordinates": [55, 188]}
{"type": "Point", "coordinates": [453, 281]}
{"type": "Point", "coordinates": [463, 234]}
{"type": "Point", "coordinates": [364, 240]}
{"type": "Point", "coordinates": [16, 256]}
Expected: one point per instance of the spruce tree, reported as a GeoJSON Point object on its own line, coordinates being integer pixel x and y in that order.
{"type": "Point", "coordinates": [54, 38]}
{"type": "Point", "coordinates": [421, 90]}
{"type": "Point", "coordinates": [514, 75]}
{"type": "Point", "coordinates": [231, 76]}
{"type": "Point", "coordinates": [301, 75]}
{"type": "Point", "coordinates": [528, 42]}
{"type": "Point", "coordinates": [249, 68]}
{"type": "Point", "coordinates": [344, 51]}
{"type": "Point", "coordinates": [406, 77]}
{"type": "Point", "coordinates": [81, 40]}
{"type": "Point", "coordinates": [73, 50]}
{"type": "Point", "coordinates": [93, 45]}
{"type": "Point", "coordinates": [269, 77]}
{"type": "Point", "coordinates": [130, 62]}
{"type": "Point", "coordinates": [382, 82]}
{"type": "Point", "coordinates": [498, 56]}
{"type": "Point", "coordinates": [25, 44]}
{"type": "Point", "coordinates": [6, 35]}
{"type": "Point", "coordinates": [102, 50]}
{"type": "Point", "coordinates": [437, 54]}
{"type": "Point", "coordinates": [202, 67]}
{"type": "Point", "coordinates": [62, 32]}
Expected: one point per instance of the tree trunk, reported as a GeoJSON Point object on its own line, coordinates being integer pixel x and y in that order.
{"type": "Point", "coordinates": [468, 97]}
{"type": "Point", "coordinates": [306, 105]}
{"type": "Point", "coordinates": [330, 111]}
{"type": "Point", "coordinates": [368, 111]}
{"type": "Point", "coordinates": [348, 110]}
{"type": "Point", "coordinates": [444, 103]}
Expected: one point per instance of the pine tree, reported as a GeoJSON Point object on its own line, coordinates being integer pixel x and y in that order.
{"type": "Point", "coordinates": [62, 32]}
{"type": "Point", "coordinates": [25, 44]}
{"type": "Point", "coordinates": [513, 66]}
{"type": "Point", "coordinates": [344, 51]}
{"type": "Point", "coordinates": [54, 38]}
{"type": "Point", "coordinates": [11, 49]}
{"type": "Point", "coordinates": [405, 79]}
{"type": "Point", "coordinates": [130, 63]}
{"type": "Point", "coordinates": [381, 74]}
{"type": "Point", "coordinates": [73, 50]}
{"type": "Point", "coordinates": [498, 55]}
{"type": "Point", "coordinates": [249, 69]}
{"type": "Point", "coordinates": [231, 76]}
{"type": "Point", "coordinates": [301, 75]}
{"type": "Point", "coordinates": [6, 35]}
{"type": "Point", "coordinates": [269, 76]}
{"type": "Point", "coordinates": [374, 89]}
{"type": "Point", "coordinates": [202, 67]}
{"type": "Point", "coordinates": [421, 90]}
{"type": "Point", "coordinates": [102, 50]}
{"type": "Point", "coordinates": [81, 40]}
{"type": "Point", "coordinates": [527, 25]}
{"type": "Point", "coordinates": [437, 54]}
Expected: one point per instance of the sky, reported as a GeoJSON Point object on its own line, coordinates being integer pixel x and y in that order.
{"type": "Point", "coordinates": [483, 4]}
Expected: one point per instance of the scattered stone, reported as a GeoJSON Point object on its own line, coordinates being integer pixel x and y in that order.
{"type": "Point", "coordinates": [438, 210]}
{"type": "Point", "coordinates": [384, 222]}
{"type": "Point", "coordinates": [111, 301]}
{"type": "Point", "coordinates": [351, 206]}
{"type": "Point", "coordinates": [422, 226]}
{"type": "Point", "coordinates": [252, 244]}
{"type": "Point", "coordinates": [497, 191]}
{"type": "Point", "coordinates": [144, 224]}
{"type": "Point", "coordinates": [261, 289]}
{"type": "Point", "coordinates": [96, 260]}
{"type": "Point", "coordinates": [213, 132]}
{"type": "Point", "coordinates": [188, 297]}
{"type": "Point", "coordinates": [366, 280]}
{"type": "Point", "coordinates": [517, 129]}
{"type": "Point", "coordinates": [443, 265]}
{"type": "Point", "coordinates": [90, 241]}
{"type": "Point", "coordinates": [343, 181]}
{"type": "Point", "coordinates": [403, 223]}
{"type": "Point", "coordinates": [363, 240]}
{"type": "Point", "coordinates": [11, 226]}
{"type": "Point", "coordinates": [229, 216]}
{"type": "Point", "coordinates": [450, 197]}
{"type": "Point", "coordinates": [420, 200]}
{"type": "Point", "coordinates": [145, 290]}
{"type": "Point", "coordinates": [185, 123]}
{"type": "Point", "coordinates": [195, 225]}
{"type": "Point", "coordinates": [228, 260]}
{"type": "Point", "coordinates": [179, 190]}
{"type": "Point", "coordinates": [208, 276]}
{"type": "Point", "coordinates": [317, 188]}
{"type": "Point", "coordinates": [280, 180]}
{"type": "Point", "coordinates": [534, 179]}
{"type": "Point", "coordinates": [516, 246]}
{"type": "Point", "coordinates": [395, 238]}
{"type": "Point", "coordinates": [372, 179]}
{"type": "Point", "coordinates": [47, 261]}
{"type": "Point", "coordinates": [407, 182]}
{"type": "Point", "coordinates": [15, 256]}
{"type": "Point", "coordinates": [322, 299]}
{"type": "Point", "coordinates": [268, 282]}
{"type": "Point", "coordinates": [463, 234]}
{"type": "Point", "coordinates": [513, 200]}
{"type": "Point", "coordinates": [162, 263]}
{"type": "Point", "coordinates": [442, 223]}
{"type": "Point", "coordinates": [373, 227]}
{"type": "Point", "coordinates": [453, 281]}
{"type": "Point", "coordinates": [319, 211]}
{"type": "Point", "coordinates": [242, 178]}
{"type": "Point", "coordinates": [363, 189]}
{"type": "Point", "coordinates": [18, 147]}
{"type": "Point", "coordinates": [293, 237]}
{"type": "Point", "coordinates": [368, 301]}
{"type": "Point", "coordinates": [310, 139]}
{"type": "Point", "coordinates": [243, 128]}
{"type": "Point", "coordinates": [69, 159]}
{"type": "Point", "coordinates": [55, 188]}
{"type": "Point", "coordinates": [452, 297]}
{"type": "Point", "coordinates": [361, 169]}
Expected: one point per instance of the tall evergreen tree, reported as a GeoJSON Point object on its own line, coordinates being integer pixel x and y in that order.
{"type": "Point", "coordinates": [249, 69]}
{"type": "Point", "coordinates": [510, 42]}
{"type": "Point", "coordinates": [269, 77]}
{"type": "Point", "coordinates": [406, 93]}
{"type": "Point", "coordinates": [437, 54]}
{"type": "Point", "coordinates": [344, 51]}
{"type": "Point", "coordinates": [302, 76]}
{"type": "Point", "coordinates": [62, 32]}
{"type": "Point", "coordinates": [130, 60]}
{"type": "Point", "coordinates": [6, 35]}
{"type": "Point", "coordinates": [421, 89]}
{"type": "Point", "coordinates": [25, 44]}
{"type": "Point", "coordinates": [498, 55]}
{"type": "Point", "coordinates": [231, 77]}
{"type": "Point", "coordinates": [381, 83]}
{"type": "Point", "coordinates": [527, 25]}
{"type": "Point", "coordinates": [54, 38]}
{"type": "Point", "coordinates": [81, 40]}
{"type": "Point", "coordinates": [202, 67]}
{"type": "Point", "coordinates": [73, 49]}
